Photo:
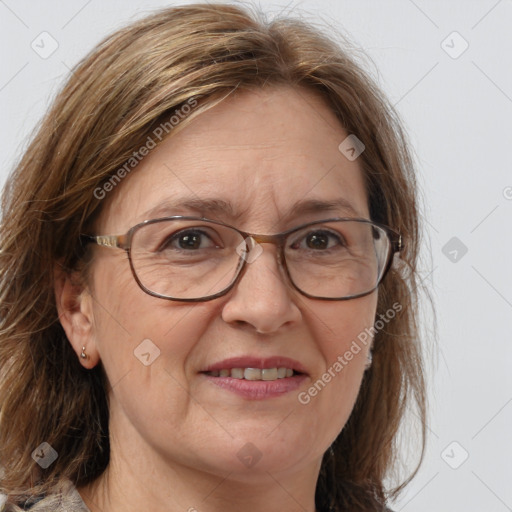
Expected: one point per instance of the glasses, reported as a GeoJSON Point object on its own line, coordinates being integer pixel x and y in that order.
{"type": "Point", "coordinates": [193, 259]}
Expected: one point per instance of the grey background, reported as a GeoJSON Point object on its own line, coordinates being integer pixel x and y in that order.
{"type": "Point", "coordinates": [457, 109]}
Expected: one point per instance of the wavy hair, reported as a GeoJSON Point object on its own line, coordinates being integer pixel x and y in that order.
{"type": "Point", "coordinates": [110, 105]}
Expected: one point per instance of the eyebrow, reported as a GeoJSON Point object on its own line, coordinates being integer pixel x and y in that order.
{"type": "Point", "coordinates": [215, 207]}
{"type": "Point", "coordinates": [319, 206]}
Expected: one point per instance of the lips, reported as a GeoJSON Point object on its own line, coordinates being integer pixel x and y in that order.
{"type": "Point", "coordinates": [256, 378]}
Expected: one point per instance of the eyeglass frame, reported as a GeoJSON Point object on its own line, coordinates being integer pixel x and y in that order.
{"type": "Point", "coordinates": [124, 241]}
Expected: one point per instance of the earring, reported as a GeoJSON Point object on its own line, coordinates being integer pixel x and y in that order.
{"type": "Point", "coordinates": [369, 359]}
{"type": "Point", "coordinates": [83, 355]}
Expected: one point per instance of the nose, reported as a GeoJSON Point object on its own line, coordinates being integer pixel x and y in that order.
{"type": "Point", "coordinates": [262, 299]}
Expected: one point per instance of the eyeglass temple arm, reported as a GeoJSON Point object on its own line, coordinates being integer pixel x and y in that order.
{"type": "Point", "coordinates": [106, 240]}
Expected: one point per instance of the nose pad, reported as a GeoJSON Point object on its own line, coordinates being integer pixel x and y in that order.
{"type": "Point", "coordinates": [249, 249]}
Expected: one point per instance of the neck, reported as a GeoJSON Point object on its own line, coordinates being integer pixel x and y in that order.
{"type": "Point", "coordinates": [187, 490]}
{"type": "Point", "coordinates": [147, 481]}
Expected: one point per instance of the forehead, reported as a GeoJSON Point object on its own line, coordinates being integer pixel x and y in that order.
{"type": "Point", "coordinates": [258, 155]}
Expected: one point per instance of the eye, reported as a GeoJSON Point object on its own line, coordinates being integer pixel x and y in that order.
{"type": "Point", "coordinates": [319, 240]}
{"type": "Point", "coordinates": [189, 240]}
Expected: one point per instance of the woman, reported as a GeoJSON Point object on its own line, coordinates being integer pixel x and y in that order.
{"type": "Point", "coordinates": [208, 278]}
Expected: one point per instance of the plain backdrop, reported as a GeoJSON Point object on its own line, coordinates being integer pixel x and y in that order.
{"type": "Point", "coordinates": [447, 67]}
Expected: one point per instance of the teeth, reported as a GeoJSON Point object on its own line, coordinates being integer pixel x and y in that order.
{"type": "Point", "coordinates": [269, 374]}
{"type": "Point", "coordinates": [253, 373]}
{"type": "Point", "coordinates": [237, 373]}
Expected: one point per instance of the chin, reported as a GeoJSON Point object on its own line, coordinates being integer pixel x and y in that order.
{"type": "Point", "coordinates": [250, 460]}
{"type": "Point", "coordinates": [269, 449]}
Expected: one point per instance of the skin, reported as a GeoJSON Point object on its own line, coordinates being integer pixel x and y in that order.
{"type": "Point", "coordinates": [175, 436]}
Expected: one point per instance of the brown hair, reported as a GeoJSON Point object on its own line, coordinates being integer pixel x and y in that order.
{"type": "Point", "coordinates": [109, 107]}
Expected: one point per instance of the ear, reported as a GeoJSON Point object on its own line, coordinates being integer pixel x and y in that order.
{"type": "Point", "coordinates": [74, 305]}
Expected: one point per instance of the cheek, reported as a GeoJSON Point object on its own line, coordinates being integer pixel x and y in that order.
{"type": "Point", "coordinates": [145, 346]}
{"type": "Point", "coordinates": [140, 334]}
{"type": "Point", "coordinates": [342, 333]}
{"type": "Point", "coordinates": [338, 326]}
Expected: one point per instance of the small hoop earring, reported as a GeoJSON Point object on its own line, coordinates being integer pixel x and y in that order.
{"type": "Point", "coordinates": [83, 355]}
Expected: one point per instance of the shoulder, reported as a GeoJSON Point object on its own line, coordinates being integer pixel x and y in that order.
{"type": "Point", "coordinates": [65, 499]}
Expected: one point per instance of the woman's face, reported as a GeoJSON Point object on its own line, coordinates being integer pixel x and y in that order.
{"type": "Point", "coordinates": [267, 154]}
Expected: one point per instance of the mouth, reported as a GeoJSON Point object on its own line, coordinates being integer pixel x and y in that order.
{"type": "Point", "coordinates": [257, 378]}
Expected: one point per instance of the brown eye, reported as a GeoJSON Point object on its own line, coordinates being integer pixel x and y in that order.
{"type": "Point", "coordinates": [188, 240]}
{"type": "Point", "coordinates": [320, 240]}
{"type": "Point", "coordinates": [317, 241]}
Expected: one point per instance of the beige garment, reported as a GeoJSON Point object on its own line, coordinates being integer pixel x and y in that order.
{"type": "Point", "coordinates": [65, 499]}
